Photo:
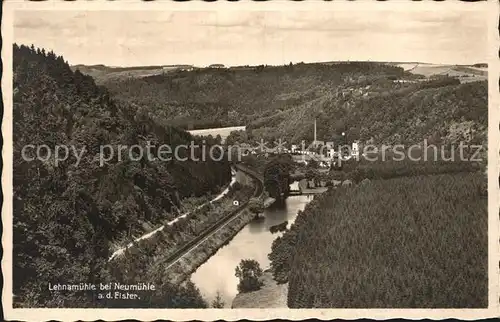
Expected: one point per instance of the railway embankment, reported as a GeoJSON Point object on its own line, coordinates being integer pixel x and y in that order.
{"type": "Point", "coordinates": [183, 263]}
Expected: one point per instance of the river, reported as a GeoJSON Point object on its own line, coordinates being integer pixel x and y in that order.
{"type": "Point", "coordinates": [252, 242]}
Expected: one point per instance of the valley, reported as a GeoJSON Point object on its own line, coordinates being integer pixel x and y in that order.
{"type": "Point", "coordinates": [176, 223]}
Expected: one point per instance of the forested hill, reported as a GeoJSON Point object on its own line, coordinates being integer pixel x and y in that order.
{"type": "Point", "coordinates": [237, 96]}
{"type": "Point", "coordinates": [373, 102]}
{"type": "Point", "coordinates": [66, 215]}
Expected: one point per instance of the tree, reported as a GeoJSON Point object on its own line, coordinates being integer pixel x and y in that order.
{"type": "Point", "coordinates": [237, 137]}
{"type": "Point", "coordinates": [249, 273]}
{"type": "Point", "coordinates": [354, 134]}
{"type": "Point", "coordinates": [218, 139]}
{"type": "Point", "coordinates": [218, 302]}
{"type": "Point", "coordinates": [313, 164]}
{"type": "Point", "coordinates": [256, 206]}
{"type": "Point", "coordinates": [312, 173]}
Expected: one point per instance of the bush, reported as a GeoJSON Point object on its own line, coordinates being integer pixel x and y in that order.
{"type": "Point", "coordinates": [256, 205]}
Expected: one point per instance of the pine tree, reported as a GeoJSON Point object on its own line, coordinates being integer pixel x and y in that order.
{"type": "Point", "coordinates": [218, 302]}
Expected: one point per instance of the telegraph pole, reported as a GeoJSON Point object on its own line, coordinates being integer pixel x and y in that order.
{"type": "Point", "coordinates": [314, 133]}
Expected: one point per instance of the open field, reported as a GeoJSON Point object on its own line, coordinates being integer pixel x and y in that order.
{"type": "Point", "coordinates": [102, 73]}
{"type": "Point", "coordinates": [464, 73]}
{"type": "Point", "coordinates": [222, 131]}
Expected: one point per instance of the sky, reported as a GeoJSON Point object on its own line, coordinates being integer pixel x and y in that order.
{"type": "Point", "coordinates": [137, 38]}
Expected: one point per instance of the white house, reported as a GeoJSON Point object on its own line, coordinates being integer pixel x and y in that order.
{"type": "Point", "coordinates": [355, 148]}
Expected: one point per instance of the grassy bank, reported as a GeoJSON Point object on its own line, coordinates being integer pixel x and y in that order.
{"type": "Point", "coordinates": [271, 295]}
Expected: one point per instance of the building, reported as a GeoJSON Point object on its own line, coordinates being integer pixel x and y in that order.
{"type": "Point", "coordinates": [331, 153]}
{"type": "Point", "coordinates": [355, 148]}
{"type": "Point", "coordinates": [245, 149]}
{"type": "Point", "coordinates": [315, 143]}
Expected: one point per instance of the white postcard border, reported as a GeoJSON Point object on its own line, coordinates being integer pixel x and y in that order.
{"type": "Point", "coordinates": [35, 314]}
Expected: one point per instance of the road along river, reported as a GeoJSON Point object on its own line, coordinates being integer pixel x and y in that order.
{"type": "Point", "coordinates": [122, 250]}
{"type": "Point", "coordinates": [252, 242]}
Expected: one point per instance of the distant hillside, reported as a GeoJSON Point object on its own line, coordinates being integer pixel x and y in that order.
{"type": "Point", "coordinates": [110, 69]}
{"type": "Point", "coordinates": [373, 102]}
{"type": "Point", "coordinates": [103, 73]}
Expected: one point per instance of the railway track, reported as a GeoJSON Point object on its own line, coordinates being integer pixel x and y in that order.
{"type": "Point", "coordinates": [186, 248]}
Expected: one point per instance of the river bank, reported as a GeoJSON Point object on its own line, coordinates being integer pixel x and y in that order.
{"type": "Point", "coordinates": [120, 251]}
{"type": "Point", "coordinates": [216, 276]}
{"type": "Point", "coordinates": [182, 269]}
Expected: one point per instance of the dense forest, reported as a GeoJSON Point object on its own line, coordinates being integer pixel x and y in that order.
{"type": "Point", "coordinates": [387, 243]}
{"type": "Point", "coordinates": [65, 214]}
{"type": "Point", "coordinates": [372, 102]}
{"type": "Point", "coordinates": [235, 96]}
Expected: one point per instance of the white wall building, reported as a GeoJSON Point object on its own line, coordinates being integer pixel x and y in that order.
{"type": "Point", "coordinates": [355, 148]}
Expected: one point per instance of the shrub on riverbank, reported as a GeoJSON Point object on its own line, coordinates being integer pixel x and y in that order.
{"type": "Point", "coordinates": [416, 242]}
{"type": "Point", "coordinates": [182, 270]}
{"type": "Point", "coordinates": [249, 273]}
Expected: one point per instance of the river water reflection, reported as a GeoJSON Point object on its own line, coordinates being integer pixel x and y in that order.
{"type": "Point", "coordinates": [252, 242]}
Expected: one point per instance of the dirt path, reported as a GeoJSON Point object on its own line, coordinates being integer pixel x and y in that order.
{"type": "Point", "coordinates": [122, 250]}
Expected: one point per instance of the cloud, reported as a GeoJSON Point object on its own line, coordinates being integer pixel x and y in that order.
{"type": "Point", "coordinates": [254, 37]}
{"type": "Point", "coordinates": [23, 21]}
{"type": "Point", "coordinates": [67, 23]}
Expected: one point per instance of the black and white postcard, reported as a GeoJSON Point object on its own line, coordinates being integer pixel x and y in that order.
{"type": "Point", "coordinates": [250, 160]}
